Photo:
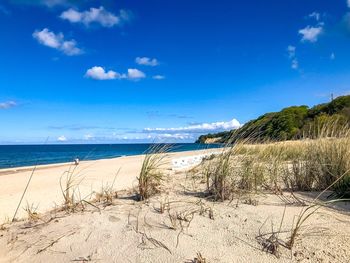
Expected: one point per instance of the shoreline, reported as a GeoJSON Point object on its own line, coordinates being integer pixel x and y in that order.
{"type": "Point", "coordinates": [11, 170]}
{"type": "Point", "coordinates": [44, 189]}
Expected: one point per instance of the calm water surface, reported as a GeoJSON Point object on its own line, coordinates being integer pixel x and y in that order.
{"type": "Point", "coordinates": [27, 155]}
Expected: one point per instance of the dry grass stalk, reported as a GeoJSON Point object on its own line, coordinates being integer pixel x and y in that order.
{"type": "Point", "coordinates": [271, 242]}
{"type": "Point", "coordinates": [107, 193]}
{"type": "Point", "coordinates": [154, 242]}
{"type": "Point", "coordinates": [199, 259]}
{"type": "Point", "coordinates": [69, 183]}
{"type": "Point", "coordinates": [32, 213]}
{"type": "Point", "coordinates": [151, 174]}
{"type": "Point", "coordinates": [164, 205]}
{"type": "Point", "coordinates": [23, 194]}
{"type": "Point", "coordinates": [174, 222]}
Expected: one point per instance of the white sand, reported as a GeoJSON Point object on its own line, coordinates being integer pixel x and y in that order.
{"type": "Point", "coordinates": [44, 190]}
{"type": "Point", "coordinates": [131, 231]}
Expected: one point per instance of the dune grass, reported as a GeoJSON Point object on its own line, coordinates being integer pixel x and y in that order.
{"type": "Point", "coordinates": [320, 162]}
{"type": "Point", "coordinates": [151, 173]}
{"type": "Point", "coordinates": [303, 165]}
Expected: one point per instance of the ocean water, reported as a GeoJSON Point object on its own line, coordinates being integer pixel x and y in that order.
{"type": "Point", "coordinates": [29, 155]}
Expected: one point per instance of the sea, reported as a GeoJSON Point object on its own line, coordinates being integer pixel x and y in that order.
{"type": "Point", "coordinates": [30, 155]}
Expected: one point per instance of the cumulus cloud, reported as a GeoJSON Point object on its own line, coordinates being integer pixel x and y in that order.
{"type": "Point", "coordinates": [198, 128]}
{"type": "Point", "coordinates": [145, 61]}
{"type": "Point", "coordinates": [96, 15]}
{"type": "Point", "coordinates": [311, 34]}
{"type": "Point", "coordinates": [62, 138]}
{"type": "Point", "coordinates": [7, 104]}
{"type": "Point", "coordinates": [57, 41]}
{"type": "Point", "coordinates": [99, 73]}
{"type": "Point", "coordinates": [158, 77]}
{"type": "Point", "coordinates": [135, 74]}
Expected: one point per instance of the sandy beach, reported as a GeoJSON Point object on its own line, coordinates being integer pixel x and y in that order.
{"type": "Point", "coordinates": [177, 225]}
{"type": "Point", "coordinates": [44, 190]}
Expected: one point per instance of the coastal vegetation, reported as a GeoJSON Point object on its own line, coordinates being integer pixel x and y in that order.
{"type": "Point", "coordinates": [288, 124]}
{"type": "Point", "coordinates": [151, 174]}
{"type": "Point", "coordinates": [321, 163]}
{"type": "Point", "coordinates": [225, 191]}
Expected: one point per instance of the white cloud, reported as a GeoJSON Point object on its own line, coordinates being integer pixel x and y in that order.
{"type": "Point", "coordinates": [198, 128]}
{"type": "Point", "coordinates": [72, 16]}
{"type": "Point", "coordinates": [147, 61]}
{"type": "Point", "coordinates": [158, 77]}
{"type": "Point", "coordinates": [57, 41]}
{"type": "Point", "coordinates": [48, 38]}
{"type": "Point", "coordinates": [187, 133]}
{"type": "Point", "coordinates": [70, 48]}
{"type": "Point", "coordinates": [99, 73]}
{"type": "Point", "coordinates": [295, 64]}
{"type": "Point", "coordinates": [310, 33]}
{"type": "Point", "coordinates": [316, 15]}
{"type": "Point", "coordinates": [135, 74]}
{"type": "Point", "coordinates": [62, 138]}
{"type": "Point", "coordinates": [7, 104]}
{"type": "Point", "coordinates": [96, 15]}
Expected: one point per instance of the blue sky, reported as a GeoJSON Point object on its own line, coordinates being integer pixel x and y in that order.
{"type": "Point", "coordinates": [138, 71]}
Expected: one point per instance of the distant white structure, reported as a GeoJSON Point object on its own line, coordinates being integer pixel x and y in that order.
{"type": "Point", "coordinates": [190, 161]}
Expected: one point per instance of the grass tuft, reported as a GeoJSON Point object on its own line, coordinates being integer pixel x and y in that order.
{"type": "Point", "coordinates": [69, 183]}
{"type": "Point", "coordinates": [32, 214]}
{"type": "Point", "coordinates": [151, 173]}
